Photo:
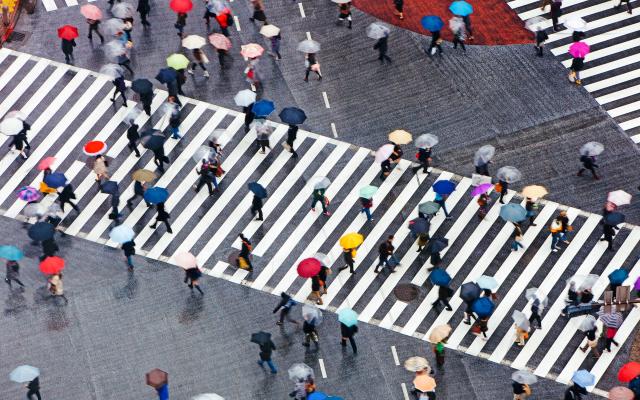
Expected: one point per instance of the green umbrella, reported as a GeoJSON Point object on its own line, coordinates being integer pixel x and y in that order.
{"type": "Point", "coordinates": [429, 207]}
{"type": "Point", "coordinates": [368, 191]}
{"type": "Point", "coordinates": [177, 61]}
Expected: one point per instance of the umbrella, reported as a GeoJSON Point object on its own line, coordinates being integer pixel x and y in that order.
{"type": "Point", "coordinates": [309, 46]}
{"type": "Point", "coordinates": [258, 189]}
{"type": "Point", "coordinates": [621, 393]}
{"type": "Point", "coordinates": [193, 42]}
{"type": "Point", "coordinates": [614, 218]}
{"type": "Point", "coordinates": [583, 378]}
{"type": "Point", "coordinates": [186, 260]}
{"type": "Point", "coordinates": [157, 378]}
{"type": "Point", "coordinates": [55, 180]}
{"type": "Point", "coordinates": [588, 323]}
{"type": "Point", "coordinates": [384, 152]}
{"type": "Point", "coordinates": [204, 153]}
{"type": "Point", "coordinates": [576, 24]}
{"type": "Point", "coordinates": [218, 136]}
{"type": "Point", "coordinates": [68, 32]}
{"type": "Point", "coordinates": [312, 314]}
{"type": "Point", "coordinates": [309, 267]}
{"type": "Point", "coordinates": [269, 30]}
{"type": "Point", "coordinates": [153, 142]}
{"type": "Point", "coordinates": [612, 320]}
{"type": "Point", "coordinates": [219, 7]}
{"type": "Point", "coordinates": [142, 86]}
{"type": "Point", "coordinates": [520, 320]}
{"type": "Point", "coordinates": [348, 317]}
{"type": "Point", "coordinates": [121, 234]}
{"type": "Point", "coordinates": [245, 98]}
{"type": "Point", "coordinates": [317, 396]}
{"type": "Point", "coordinates": [251, 50]}
{"type": "Point", "coordinates": [24, 374]}
{"type": "Point", "coordinates": [487, 282]}
{"type": "Point", "coordinates": [41, 231]}
{"type": "Point", "coordinates": [629, 371]}
{"type": "Point", "coordinates": [583, 282]}
{"type": "Point", "coordinates": [299, 370]}
{"type": "Point", "coordinates": [579, 49]}
{"type": "Point", "coordinates": [439, 333]}
{"type": "Point", "coordinates": [509, 174]}
{"type": "Point", "coordinates": [351, 240]}
{"type": "Point", "coordinates": [177, 61]}
{"type": "Point", "coordinates": [113, 26]}
{"type": "Point", "coordinates": [484, 154]}
{"type": "Point", "coordinates": [114, 49]}
{"type": "Point", "coordinates": [415, 364]}
{"type": "Point", "coordinates": [418, 226]}
{"type": "Point", "coordinates": [11, 253]}
{"type": "Point", "coordinates": [436, 245]}
{"type": "Point", "coordinates": [535, 24]}
{"type": "Point", "coordinates": [207, 396]}
{"type": "Point", "coordinates": [11, 126]}
{"type": "Point", "coordinates": [400, 136]}
{"type": "Point", "coordinates": [220, 41]}
{"type": "Point", "coordinates": [166, 75]}
{"type": "Point", "coordinates": [156, 195]}
{"type": "Point", "coordinates": [368, 191]}
{"type": "Point", "coordinates": [618, 276]}
{"type": "Point", "coordinates": [261, 337]}
{"type": "Point", "coordinates": [16, 114]}
{"type": "Point", "coordinates": [444, 187]}
{"type": "Point", "coordinates": [439, 277]}
{"type": "Point", "coordinates": [377, 30]}
{"type": "Point", "coordinates": [429, 207]}
{"type": "Point", "coordinates": [319, 182]}
{"type": "Point", "coordinates": [143, 175]}
{"type": "Point", "coordinates": [94, 148]}
{"type": "Point", "coordinates": [34, 210]}
{"type": "Point", "coordinates": [123, 10]}
{"type": "Point", "coordinates": [532, 294]}
{"type": "Point", "coordinates": [51, 265]}
{"type": "Point", "coordinates": [406, 292]}
{"type": "Point", "coordinates": [636, 285]}
{"type": "Point", "coordinates": [426, 141]}
{"type": "Point", "coordinates": [323, 258]}
{"type": "Point", "coordinates": [432, 23]}
{"type": "Point", "coordinates": [483, 307]}
{"type": "Point", "coordinates": [513, 212]}
{"type": "Point", "coordinates": [455, 24]}
{"type": "Point", "coordinates": [591, 149]}
{"type": "Point", "coordinates": [53, 209]}
{"type": "Point", "coordinates": [181, 6]}
{"type": "Point", "coordinates": [28, 194]}
{"type": "Point", "coordinates": [470, 291]}
{"type": "Point", "coordinates": [424, 383]}
{"type": "Point", "coordinates": [619, 197]}
{"type": "Point", "coordinates": [483, 188]}
{"type": "Point", "coordinates": [524, 377]}
{"type": "Point", "coordinates": [461, 8]}
{"type": "Point", "coordinates": [534, 191]}
{"type": "Point", "coordinates": [90, 11]}
{"type": "Point", "coordinates": [262, 108]}
{"type": "Point", "coordinates": [292, 115]}
{"type": "Point", "coordinates": [113, 71]}
{"type": "Point", "coordinates": [110, 187]}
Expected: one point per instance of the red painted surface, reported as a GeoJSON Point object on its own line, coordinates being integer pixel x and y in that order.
{"type": "Point", "coordinates": [493, 21]}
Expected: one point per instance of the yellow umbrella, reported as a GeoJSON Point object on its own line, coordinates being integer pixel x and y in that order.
{"type": "Point", "coordinates": [439, 333]}
{"type": "Point", "coordinates": [415, 364]}
{"type": "Point", "coordinates": [534, 191]}
{"type": "Point", "coordinates": [351, 240]}
{"type": "Point", "coordinates": [143, 175]}
{"type": "Point", "coordinates": [400, 136]}
{"type": "Point", "coordinates": [424, 383]}
{"type": "Point", "coordinates": [177, 61]}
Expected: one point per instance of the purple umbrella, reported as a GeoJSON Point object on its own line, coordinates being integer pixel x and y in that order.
{"type": "Point", "coordinates": [28, 194]}
{"type": "Point", "coordinates": [478, 190]}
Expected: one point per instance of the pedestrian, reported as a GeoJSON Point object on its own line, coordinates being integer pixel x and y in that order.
{"type": "Point", "coordinates": [349, 255]}
{"type": "Point", "coordinates": [566, 227]}
{"type": "Point", "coordinates": [94, 26]}
{"type": "Point", "coordinates": [576, 66]}
{"type": "Point", "coordinates": [318, 196]}
{"type": "Point", "coordinates": [483, 167]}
{"type": "Point", "coordinates": [423, 238]}
{"type": "Point", "coordinates": [521, 391]}
{"type": "Point", "coordinates": [181, 21]}
{"type": "Point", "coordinates": [348, 332]}
{"type": "Point", "coordinates": [143, 9]}
{"type": "Point", "coordinates": [262, 135]}
{"type": "Point", "coordinates": [49, 248]}
{"type": "Point", "coordinates": [258, 12]}
{"type": "Point", "coordinates": [438, 351]}
{"type": "Point", "coordinates": [200, 59]}
{"type": "Point", "coordinates": [292, 134]}
{"type": "Point", "coordinates": [575, 392]}
{"type": "Point", "coordinates": [319, 285]}
{"type": "Point", "coordinates": [33, 389]}
{"type": "Point", "coordinates": [385, 169]}
{"type": "Point", "coordinates": [67, 49]}
{"type": "Point", "coordinates": [424, 159]}
{"type": "Point", "coordinates": [480, 327]}
{"type": "Point", "coordinates": [436, 43]}
{"type": "Point", "coordinates": [444, 293]}
{"type": "Point", "coordinates": [310, 331]}
{"type": "Point", "coordinates": [285, 305]}
{"type": "Point", "coordinates": [127, 30]}
{"type": "Point", "coordinates": [275, 47]}
{"type": "Point", "coordinates": [20, 142]}
{"type": "Point", "coordinates": [248, 117]}
{"type": "Point", "coordinates": [225, 20]}
{"type": "Point", "coordinates": [577, 36]}
{"type": "Point", "coordinates": [460, 34]}
{"type": "Point", "coordinates": [468, 312]}
{"type": "Point", "coordinates": [101, 168]}
{"type": "Point", "coordinates": [592, 343]}
{"type": "Point", "coordinates": [517, 237]}
{"type": "Point", "coordinates": [13, 273]}
{"type": "Point", "coordinates": [483, 205]}
{"type": "Point", "coordinates": [300, 390]}
{"type": "Point", "coordinates": [159, 158]}
{"type": "Point", "coordinates": [146, 99]}
{"type": "Point", "coordinates": [442, 200]}
{"type": "Point", "coordinates": [311, 64]}
{"type": "Point", "coordinates": [396, 154]}
{"type": "Point", "coordinates": [382, 47]}
{"type": "Point", "coordinates": [206, 178]}
{"type": "Point", "coordinates": [244, 258]}
{"type": "Point", "coordinates": [266, 350]}
{"type": "Point", "coordinates": [222, 53]}
{"type": "Point", "coordinates": [138, 191]}
{"type": "Point", "coordinates": [556, 12]}
{"type": "Point", "coordinates": [434, 259]}
{"type": "Point", "coordinates": [129, 249]}
{"type": "Point", "coordinates": [174, 118]}
{"type": "Point", "coordinates": [556, 234]}
{"type": "Point", "coordinates": [121, 87]}
{"type": "Point", "coordinates": [609, 232]}
{"type": "Point", "coordinates": [162, 216]}
{"type": "Point", "coordinates": [521, 335]}
{"type": "Point", "coordinates": [537, 307]}
{"type": "Point", "coordinates": [467, 25]}
{"type": "Point", "coordinates": [531, 206]}
{"type": "Point", "coordinates": [345, 13]}
{"type": "Point", "coordinates": [610, 334]}
{"type": "Point", "coordinates": [385, 252]}
{"type": "Point", "coordinates": [589, 163]}
{"type": "Point", "coordinates": [398, 8]}
{"type": "Point", "coordinates": [502, 187]}
{"type": "Point", "coordinates": [366, 207]}
{"type": "Point", "coordinates": [629, 8]}
{"type": "Point", "coordinates": [65, 196]}
{"type": "Point", "coordinates": [256, 207]}
{"type": "Point", "coordinates": [209, 12]}
{"type": "Point", "coordinates": [191, 277]}
{"type": "Point", "coordinates": [115, 213]}
{"type": "Point", "coordinates": [56, 287]}
{"type": "Point", "coordinates": [253, 73]}
{"type": "Point", "coordinates": [123, 59]}
{"type": "Point", "coordinates": [133, 138]}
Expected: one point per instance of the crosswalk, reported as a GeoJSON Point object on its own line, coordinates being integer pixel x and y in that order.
{"type": "Point", "coordinates": [68, 106]}
{"type": "Point", "coordinates": [52, 5]}
{"type": "Point", "coordinates": [612, 69]}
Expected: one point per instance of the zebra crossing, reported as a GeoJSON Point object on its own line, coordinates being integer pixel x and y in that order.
{"type": "Point", "coordinates": [52, 5]}
{"type": "Point", "coordinates": [68, 106]}
{"type": "Point", "coordinates": [612, 69]}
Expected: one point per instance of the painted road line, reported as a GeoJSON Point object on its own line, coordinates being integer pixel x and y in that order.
{"type": "Point", "coordinates": [620, 94]}
{"type": "Point", "coordinates": [630, 124]}
{"type": "Point", "coordinates": [395, 355]}
{"type": "Point", "coordinates": [333, 130]}
{"type": "Point", "coordinates": [71, 3]}
{"type": "Point", "coordinates": [591, 25]}
{"type": "Point", "coordinates": [237, 23]}
{"type": "Point", "coordinates": [405, 392]}
{"type": "Point", "coordinates": [607, 51]}
{"type": "Point", "coordinates": [323, 371]}
{"type": "Point", "coordinates": [49, 5]}
{"type": "Point", "coordinates": [610, 66]}
{"type": "Point", "coordinates": [11, 98]}
{"type": "Point", "coordinates": [603, 37]}
{"type": "Point", "coordinates": [537, 11]}
{"type": "Point", "coordinates": [308, 35]}
{"type": "Point", "coordinates": [622, 110]}
{"type": "Point", "coordinates": [13, 69]}
{"type": "Point", "coordinates": [302, 14]}
{"type": "Point", "coordinates": [326, 100]}
{"type": "Point", "coordinates": [614, 80]}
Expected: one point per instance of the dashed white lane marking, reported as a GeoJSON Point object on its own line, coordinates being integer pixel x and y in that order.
{"type": "Point", "coordinates": [323, 371]}
{"type": "Point", "coordinates": [237, 22]}
{"type": "Point", "coordinates": [302, 14]}
{"type": "Point", "coordinates": [395, 355]}
{"type": "Point", "coordinates": [308, 35]}
{"type": "Point", "coordinates": [405, 392]}
{"type": "Point", "coordinates": [326, 99]}
{"type": "Point", "coordinates": [333, 129]}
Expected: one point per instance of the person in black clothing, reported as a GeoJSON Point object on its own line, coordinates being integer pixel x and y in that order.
{"type": "Point", "coordinates": [180, 24]}
{"type": "Point", "coordinates": [575, 392]}
{"type": "Point", "coordinates": [291, 137]}
{"type": "Point", "coordinates": [143, 9]}
{"type": "Point", "coordinates": [191, 277]}
{"type": "Point", "coordinates": [206, 177]}
{"type": "Point", "coordinates": [266, 349]}
{"type": "Point", "coordinates": [541, 37]}
{"type": "Point", "coordinates": [129, 249]}
{"type": "Point", "coordinates": [385, 168]}
{"type": "Point", "coordinates": [163, 216]}
{"type": "Point", "coordinates": [310, 332]}
{"type": "Point", "coordinates": [588, 163]}
{"type": "Point", "coordinates": [385, 250]}
{"type": "Point", "coordinates": [285, 305]}
{"type": "Point", "coordinates": [245, 252]}
{"type": "Point", "coordinates": [159, 158]}
{"type": "Point", "coordinates": [138, 191]}
{"type": "Point", "coordinates": [609, 231]}
{"type": "Point", "coordinates": [399, 8]}
{"type": "Point", "coordinates": [382, 47]}
{"type": "Point", "coordinates": [115, 213]}
{"type": "Point", "coordinates": [444, 293]}
{"type": "Point", "coordinates": [348, 259]}
{"type": "Point", "coordinates": [536, 309]}
{"type": "Point", "coordinates": [504, 188]}
{"type": "Point", "coordinates": [435, 259]}
{"type": "Point", "coordinates": [34, 389]}
{"type": "Point", "coordinates": [531, 213]}
{"type": "Point", "coordinates": [20, 143]}
{"type": "Point", "coordinates": [556, 12]}
{"type": "Point", "coordinates": [13, 273]}
{"type": "Point", "coordinates": [121, 87]}
{"type": "Point", "coordinates": [483, 169]}
{"type": "Point", "coordinates": [468, 312]}
{"type": "Point", "coordinates": [629, 8]}
{"type": "Point", "coordinates": [256, 207]}
{"type": "Point", "coordinates": [518, 390]}
{"type": "Point", "coordinates": [49, 248]}
{"type": "Point", "coordinates": [67, 49]}
{"type": "Point", "coordinates": [424, 158]}
{"type": "Point", "coordinates": [65, 196]}
{"type": "Point", "coordinates": [94, 25]}
{"type": "Point", "coordinates": [146, 99]}
{"type": "Point", "coordinates": [576, 66]}
{"type": "Point", "coordinates": [467, 25]}
{"type": "Point", "coordinates": [435, 43]}
{"type": "Point", "coordinates": [248, 117]}
{"type": "Point", "coordinates": [577, 36]}
{"type": "Point", "coordinates": [133, 137]}
{"type": "Point", "coordinates": [310, 61]}
{"type": "Point", "coordinates": [347, 332]}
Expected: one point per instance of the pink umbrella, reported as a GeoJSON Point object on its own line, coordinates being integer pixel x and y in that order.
{"type": "Point", "coordinates": [46, 163]}
{"type": "Point", "coordinates": [484, 188]}
{"type": "Point", "coordinates": [90, 11]}
{"type": "Point", "coordinates": [579, 49]}
{"type": "Point", "coordinates": [220, 41]}
{"type": "Point", "coordinates": [251, 50]}
{"type": "Point", "coordinates": [186, 260]}
{"type": "Point", "coordinates": [384, 152]}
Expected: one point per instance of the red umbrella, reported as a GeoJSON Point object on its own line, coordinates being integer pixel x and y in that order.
{"type": "Point", "coordinates": [94, 148]}
{"type": "Point", "coordinates": [181, 6]}
{"type": "Point", "coordinates": [68, 32]}
{"type": "Point", "coordinates": [46, 163]}
{"type": "Point", "coordinates": [52, 265]}
{"type": "Point", "coordinates": [629, 372]}
{"type": "Point", "coordinates": [309, 267]}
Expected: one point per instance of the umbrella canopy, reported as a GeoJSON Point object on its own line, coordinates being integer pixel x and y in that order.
{"type": "Point", "coordinates": [484, 154]}
{"type": "Point", "coordinates": [24, 374]}
{"type": "Point", "coordinates": [588, 323]}
{"type": "Point", "coordinates": [348, 317]}
{"type": "Point", "coordinates": [415, 364]}
{"type": "Point", "coordinates": [424, 383]}
{"type": "Point", "coordinates": [439, 333]}
{"type": "Point", "coordinates": [123, 10]}
{"type": "Point", "coordinates": [406, 292]}
{"type": "Point", "coordinates": [461, 8]}
{"type": "Point", "coordinates": [90, 11]}
{"type": "Point", "coordinates": [351, 240]}
{"type": "Point", "coordinates": [299, 370]}
{"type": "Point", "coordinates": [323, 258]}
{"type": "Point", "coordinates": [157, 378]}
{"type": "Point", "coordinates": [204, 153]}
{"type": "Point", "coordinates": [181, 6]}
{"type": "Point", "coordinates": [444, 187]}
{"type": "Point", "coordinates": [95, 148]}
{"type": "Point", "coordinates": [576, 24]}
{"type": "Point", "coordinates": [312, 314]}
{"type": "Point", "coordinates": [378, 30]}
{"type": "Point", "coordinates": [533, 294]}
{"type": "Point", "coordinates": [419, 226]}
{"type": "Point", "coordinates": [122, 234]}
{"type": "Point", "coordinates": [439, 277]}
{"type": "Point", "coordinates": [591, 149]}
{"type": "Point", "coordinates": [153, 142]}
{"type": "Point", "coordinates": [621, 393]}
{"type": "Point", "coordinates": [400, 136]}
{"type": "Point", "coordinates": [309, 267]}
{"type": "Point", "coordinates": [509, 174]}
{"type": "Point", "coordinates": [583, 378]}
{"type": "Point", "coordinates": [470, 291]}
{"type": "Point", "coordinates": [218, 136]}
{"type": "Point", "coordinates": [113, 26]}
{"type": "Point", "coordinates": [177, 61]}
{"type": "Point", "coordinates": [251, 50]}
{"type": "Point", "coordinates": [193, 42]}
{"type": "Point", "coordinates": [317, 396]}
{"type": "Point", "coordinates": [524, 377]}
{"type": "Point", "coordinates": [142, 86]}
{"type": "Point", "coordinates": [292, 115]}
{"type": "Point", "coordinates": [309, 46]}
{"type": "Point", "coordinates": [619, 197]}
{"type": "Point", "coordinates": [186, 260]}
{"type": "Point", "coordinates": [432, 23]}
{"type": "Point", "coordinates": [41, 231]}
{"type": "Point", "coordinates": [583, 282]}
{"type": "Point", "coordinates": [513, 212]}
{"type": "Point", "coordinates": [455, 24]}
{"type": "Point", "coordinates": [53, 209]}
{"type": "Point", "coordinates": [436, 245]}
{"type": "Point", "coordinates": [51, 265]}
{"type": "Point", "coordinates": [483, 307]}
{"type": "Point", "coordinates": [629, 371]}
{"type": "Point", "coordinates": [166, 75]}
{"type": "Point", "coordinates": [220, 41]}
{"type": "Point", "coordinates": [156, 195]}
{"type": "Point", "coordinates": [68, 32]}
{"type": "Point", "coordinates": [426, 141]}
{"type": "Point", "coordinates": [207, 396]}
{"type": "Point", "coordinates": [110, 187]}
{"type": "Point", "coordinates": [245, 98]}
{"type": "Point", "coordinates": [55, 180]}
{"type": "Point", "coordinates": [614, 218]}
{"type": "Point", "coordinates": [368, 191]}
{"type": "Point", "coordinates": [534, 191]}
{"type": "Point", "coordinates": [319, 182]}
{"type": "Point", "coordinates": [483, 188]}
{"type": "Point", "coordinates": [11, 126]}
{"type": "Point", "coordinates": [535, 24]}
{"type": "Point", "coordinates": [28, 194]}
{"type": "Point", "coordinates": [258, 189]}
{"type": "Point", "coordinates": [113, 71]}
{"type": "Point", "coordinates": [34, 210]}
{"type": "Point", "coordinates": [487, 282]}
{"type": "Point", "coordinates": [261, 337]}
{"type": "Point", "coordinates": [579, 49]}
{"type": "Point", "coordinates": [114, 48]}
{"type": "Point", "coordinates": [384, 152]}
{"type": "Point", "coordinates": [618, 276]}
{"type": "Point", "coordinates": [429, 207]}
{"type": "Point", "coordinates": [16, 114]}
{"type": "Point", "coordinates": [11, 253]}
{"type": "Point", "coordinates": [143, 175]}
{"type": "Point", "coordinates": [262, 108]}
{"type": "Point", "coordinates": [269, 30]}
{"type": "Point", "coordinates": [612, 320]}
{"type": "Point", "coordinates": [520, 320]}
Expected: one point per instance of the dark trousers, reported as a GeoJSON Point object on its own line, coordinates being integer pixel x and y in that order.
{"type": "Point", "coordinates": [160, 162]}
{"type": "Point", "coordinates": [135, 196]}
{"type": "Point", "coordinates": [457, 41]}
{"type": "Point", "coordinates": [126, 64]}
{"type": "Point", "coordinates": [535, 317]}
{"type": "Point", "coordinates": [592, 169]}
{"type": "Point", "coordinates": [502, 193]}
{"type": "Point", "coordinates": [8, 280]}
{"type": "Point", "coordinates": [194, 65]}
{"type": "Point", "coordinates": [143, 19]}
{"type": "Point", "coordinates": [203, 182]}
{"type": "Point", "coordinates": [248, 119]}
{"type": "Point", "coordinates": [608, 238]}
{"type": "Point", "coordinates": [629, 8]}
{"type": "Point", "coordinates": [607, 343]}
{"type": "Point", "coordinates": [255, 210]}
{"type": "Point", "coordinates": [353, 344]}
{"type": "Point", "coordinates": [306, 73]}
{"type": "Point", "coordinates": [94, 28]}
{"type": "Point", "coordinates": [133, 146]}
{"type": "Point", "coordinates": [124, 96]}
{"type": "Point", "coordinates": [62, 202]}
{"type": "Point", "coordinates": [442, 301]}
{"type": "Point", "coordinates": [147, 108]}
{"type": "Point", "coordinates": [348, 265]}
{"type": "Point", "coordinates": [284, 313]}
{"type": "Point", "coordinates": [32, 393]}
{"type": "Point", "coordinates": [292, 151]}
{"type": "Point", "coordinates": [555, 14]}
{"type": "Point", "coordinates": [382, 55]}
{"type": "Point", "coordinates": [68, 57]}
{"type": "Point", "coordinates": [166, 223]}
{"type": "Point", "coordinates": [434, 44]}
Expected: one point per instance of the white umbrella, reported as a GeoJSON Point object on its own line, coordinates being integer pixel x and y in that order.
{"type": "Point", "coordinates": [207, 396]}
{"type": "Point", "coordinates": [384, 152]}
{"type": "Point", "coordinates": [378, 30]}
{"type": "Point", "coordinates": [532, 294]}
{"type": "Point", "coordinates": [588, 323]}
{"type": "Point", "coordinates": [11, 126]}
{"type": "Point", "coordinates": [114, 49]}
{"type": "Point", "coordinates": [133, 114]}
{"type": "Point", "coordinates": [535, 24]}
{"type": "Point", "coordinates": [218, 6]}
{"type": "Point", "coordinates": [591, 149]}
{"type": "Point", "coordinates": [509, 174]}
{"type": "Point", "coordinates": [113, 71]}
{"type": "Point", "coordinates": [203, 153]}
{"type": "Point", "coordinates": [24, 373]}
{"type": "Point", "coordinates": [193, 42]}
{"type": "Point", "coordinates": [34, 210]}
{"type": "Point", "coordinates": [113, 26]}
{"type": "Point", "coordinates": [576, 24]}
{"type": "Point", "coordinates": [16, 114]}
{"type": "Point", "coordinates": [483, 155]}
{"type": "Point", "coordinates": [524, 377]}
{"type": "Point", "coordinates": [245, 98]}
{"type": "Point", "coordinates": [583, 282]}
{"type": "Point", "coordinates": [269, 30]}
{"type": "Point", "coordinates": [426, 141]}
{"type": "Point", "coordinates": [309, 46]}
{"type": "Point", "coordinates": [218, 135]}
{"type": "Point", "coordinates": [300, 371]}
{"type": "Point", "coordinates": [123, 10]}
{"type": "Point", "coordinates": [312, 313]}
{"type": "Point", "coordinates": [323, 258]}
{"type": "Point", "coordinates": [520, 320]}
{"type": "Point", "coordinates": [619, 197]}
{"type": "Point", "coordinates": [319, 182]}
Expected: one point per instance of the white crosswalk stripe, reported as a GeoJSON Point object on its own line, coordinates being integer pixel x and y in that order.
{"type": "Point", "coordinates": [52, 5]}
{"type": "Point", "coordinates": [208, 226]}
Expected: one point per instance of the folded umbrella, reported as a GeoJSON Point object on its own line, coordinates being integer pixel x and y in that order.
{"type": "Point", "coordinates": [619, 197]}
{"type": "Point", "coordinates": [520, 320]}
{"type": "Point", "coordinates": [351, 240]}
{"type": "Point", "coordinates": [89, 11]}
{"type": "Point", "coordinates": [509, 174]}
{"type": "Point", "coordinates": [612, 320]}
{"type": "Point", "coordinates": [251, 50]}
{"type": "Point", "coordinates": [299, 370]}
{"type": "Point", "coordinates": [24, 374]}
{"type": "Point", "coordinates": [487, 282]}
{"type": "Point", "coordinates": [480, 189]}
{"type": "Point", "coordinates": [368, 191]}
{"type": "Point", "coordinates": [483, 307]}
{"type": "Point", "coordinates": [400, 136]}
{"type": "Point", "coordinates": [484, 154]}
{"type": "Point", "coordinates": [348, 317]}
{"type": "Point", "coordinates": [245, 98]}
{"type": "Point", "coordinates": [384, 152]}
{"type": "Point", "coordinates": [157, 378]}
{"type": "Point", "coordinates": [426, 141]}
{"type": "Point", "coordinates": [415, 364]}
{"type": "Point", "coordinates": [439, 277]}
{"type": "Point", "coordinates": [579, 49]}
{"type": "Point", "coordinates": [193, 42]}
{"type": "Point", "coordinates": [377, 30]}
{"type": "Point", "coordinates": [432, 23]}
{"type": "Point", "coordinates": [123, 10]}
{"type": "Point", "coordinates": [424, 383]}
{"type": "Point", "coordinates": [319, 182]}
{"type": "Point", "coordinates": [156, 195]}
{"type": "Point", "coordinates": [614, 218]}
{"type": "Point", "coordinates": [257, 189]}
{"type": "Point", "coordinates": [323, 258]}
{"type": "Point", "coordinates": [292, 115]}
{"type": "Point", "coordinates": [461, 8]}
{"type": "Point", "coordinates": [177, 61]}
{"type": "Point", "coordinates": [524, 377]}
{"type": "Point", "coordinates": [220, 41]}
{"type": "Point", "coordinates": [46, 163]}
{"type": "Point", "coordinates": [11, 253]}
{"type": "Point", "coordinates": [51, 265]}
{"type": "Point", "coordinates": [618, 276]}
{"type": "Point", "coordinates": [142, 86]}
{"type": "Point", "coordinates": [121, 234]}
{"type": "Point", "coordinates": [309, 46]}
{"type": "Point", "coordinates": [186, 260]}
{"type": "Point", "coordinates": [269, 31]}
{"type": "Point", "coordinates": [419, 226]}
{"type": "Point", "coordinates": [110, 187]}
{"type": "Point", "coordinates": [67, 32]}
{"type": "Point", "coordinates": [591, 149]}
{"type": "Point", "coordinates": [95, 148]}
{"type": "Point", "coordinates": [470, 291]}
{"type": "Point", "coordinates": [576, 24]}
{"type": "Point", "coordinates": [534, 191]}
{"type": "Point", "coordinates": [406, 292]}
{"type": "Point", "coordinates": [444, 187]}
{"type": "Point", "coordinates": [588, 323]}
{"type": "Point", "coordinates": [143, 175]}
{"type": "Point", "coordinates": [181, 6]}
{"type": "Point", "coordinates": [55, 180]}
{"type": "Point", "coordinates": [583, 378]}
{"type": "Point", "coordinates": [28, 194]}
{"type": "Point", "coordinates": [629, 372]}
{"type": "Point", "coordinates": [513, 212]}
{"type": "Point", "coordinates": [41, 231]}
{"type": "Point", "coordinates": [429, 207]}
{"type": "Point", "coordinates": [166, 75]}
{"type": "Point", "coordinates": [311, 314]}
{"type": "Point", "coordinates": [621, 393]}
{"type": "Point", "coordinates": [436, 245]}
{"type": "Point", "coordinates": [11, 126]}
{"type": "Point", "coordinates": [535, 24]}
{"type": "Point", "coordinates": [262, 108]}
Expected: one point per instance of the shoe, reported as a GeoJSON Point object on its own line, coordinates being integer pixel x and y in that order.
{"type": "Point", "coordinates": [449, 309]}
{"type": "Point", "coordinates": [533, 225]}
{"type": "Point", "coordinates": [555, 250]}
{"type": "Point", "coordinates": [343, 268]}
{"type": "Point", "coordinates": [206, 74]}
{"type": "Point", "coordinates": [152, 226]}
{"type": "Point", "coordinates": [259, 219]}
{"type": "Point", "coordinates": [327, 213]}
{"type": "Point", "coordinates": [169, 231]}
{"type": "Point", "coordinates": [278, 323]}
{"type": "Point", "coordinates": [466, 322]}
{"type": "Point", "coordinates": [190, 72]}
{"type": "Point", "coordinates": [306, 79]}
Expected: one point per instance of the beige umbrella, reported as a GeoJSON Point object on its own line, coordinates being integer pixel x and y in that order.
{"type": "Point", "coordinates": [193, 42]}
{"type": "Point", "coordinates": [400, 136]}
{"type": "Point", "coordinates": [143, 175]}
{"type": "Point", "coordinates": [269, 30]}
{"type": "Point", "coordinates": [534, 191]}
{"type": "Point", "coordinates": [440, 333]}
{"type": "Point", "coordinates": [415, 364]}
{"type": "Point", "coordinates": [186, 260]}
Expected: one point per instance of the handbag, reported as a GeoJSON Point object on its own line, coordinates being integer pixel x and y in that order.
{"type": "Point", "coordinates": [326, 201]}
{"type": "Point", "coordinates": [315, 67]}
{"type": "Point", "coordinates": [476, 329]}
{"type": "Point", "coordinates": [219, 171]}
{"type": "Point", "coordinates": [242, 263]}
{"type": "Point", "coordinates": [498, 187]}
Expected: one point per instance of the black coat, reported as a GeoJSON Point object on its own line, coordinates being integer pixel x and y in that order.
{"type": "Point", "coordinates": [138, 188]}
{"type": "Point", "coordinates": [129, 248]}
{"type": "Point", "coordinates": [49, 247]}
{"type": "Point", "coordinates": [381, 45]}
{"type": "Point", "coordinates": [19, 140]}
{"type": "Point", "coordinates": [348, 331]}
{"type": "Point", "coordinates": [266, 349]}
{"type": "Point", "coordinates": [163, 215]}
{"type": "Point", "coordinates": [67, 46]}
{"type": "Point", "coordinates": [256, 203]}
{"type": "Point", "coordinates": [444, 292]}
{"type": "Point", "coordinates": [120, 85]}
{"type": "Point", "coordinates": [67, 193]}
{"type": "Point", "coordinates": [292, 133]}
{"type": "Point", "coordinates": [132, 134]}
{"type": "Point", "coordinates": [193, 273]}
{"type": "Point", "coordinates": [143, 6]}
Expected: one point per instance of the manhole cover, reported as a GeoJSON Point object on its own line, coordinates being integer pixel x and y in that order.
{"type": "Point", "coordinates": [406, 292]}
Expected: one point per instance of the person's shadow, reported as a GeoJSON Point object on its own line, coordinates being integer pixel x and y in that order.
{"type": "Point", "coordinates": [129, 290]}
{"type": "Point", "coordinates": [194, 305]}
{"type": "Point", "coordinates": [15, 303]}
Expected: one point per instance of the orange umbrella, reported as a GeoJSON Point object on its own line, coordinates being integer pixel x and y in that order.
{"type": "Point", "coordinates": [424, 383]}
{"type": "Point", "coordinates": [68, 32]}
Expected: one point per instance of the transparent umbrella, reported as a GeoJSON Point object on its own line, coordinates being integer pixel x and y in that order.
{"type": "Point", "coordinates": [535, 24]}
{"type": "Point", "coordinates": [384, 152]}
{"type": "Point", "coordinates": [112, 26]}
{"type": "Point", "coordinates": [300, 371]}
{"type": "Point", "coordinates": [588, 323]}
{"type": "Point", "coordinates": [524, 377]}
{"type": "Point", "coordinates": [483, 155]}
{"type": "Point", "coordinates": [509, 174]}
{"type": "Point", "coordinates": [309, 46]}
{"type": "Point", "coordinates": [319, 182]}
{"type": "Point", "coordinates": [203, 153]}
{"type": "Point", "coordinates": [378, 30]}
{"type": "Point", "coordinates": [532, 293]}
{"type": "Point", "coordinates": [11, 126]}
{"type": "Point", "coordinates": [576, 24]}
{"type": "Point", "coordinates": [113, 71]}
{"type": "Point", "coordinates": [323, 258]}
{"type": "Point", "coordinates": [591, 149]}
{"type": "Point", "coordinates": [123, 10]}
{"type": "Point", "coordinates": [415, 364]}
{"type": "Point", "coordinates": [583, 282]}
{"type": "Point", "coordinates": [114, 49]}
{"type": "Point", "coordinates": [34, 210]}
{"type": "Point", "coordinates": [520, 320]}
{"type": "Point", "coordinates": [310, 313]}
{"type": "Point", "coordinates": [426, 141]}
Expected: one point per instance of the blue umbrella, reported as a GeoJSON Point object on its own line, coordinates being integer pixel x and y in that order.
{"type": "Point", "coordinates": [11, 253]}
{"type": "Point", "coordinates": [439, 277]}
{"type": "Point", "coordinates": [293, 116]}
{"type": "Point", "coordinates": [583, 378]}
{"type": "Point", "coordinates": [418, 226]}
{"type": "Point", "coordinates": [461, 8]}
{"type": "Point", "coordinates": [156, 195]}
{"type": "Point", "coordinates": [55, 180]}
{"type": "Point", "coordinates": [334, 398]}
{"type": "Point", "coordinates": [258, 189]}
{"type": "Point", "coordinates": [121, 234]}
{"type": "Point", "coordinates": [317, 396]}
{"type": "Point", "coordinates": [41, 231]}
{"type": "Point", "coordinates": [348, 317]}
{"type": "Point", "coordinates": [618, 276]}
{"type": "Point", "coordinates": [513, 212]}
{"type": "Point", "coordinates": [166, 75]}
{"type": "Point", "coordinates": [483, 307]}
{"type": "Point", "coordinates": [262, 108]}
{"type": "Point", "coordinates": [110, 187]}
{"type": "Point", "coordinates": [444, 187]}
{"type": "Point", "coordinates": [432, 23]}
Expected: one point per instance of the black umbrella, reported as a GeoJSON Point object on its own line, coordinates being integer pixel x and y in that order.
{"type": "Point", "coordinates": [142, 86]}
{"type": "Point", "coordinates": [149, 132]}
{"type": "Point", "coordinates": [153, 142]}
{"type": "Point", "coordinates": [614, 218]}
{"type": "Point", "coordinates": [469, 292]}
{"type": "Point", "coordinates": [437, 245]}
{"type": "Point", "coordinates": [261, 337]}
{"type": "Point", "coordinates": [110, 187]}
{"type": "Point", "coordinates": [406, 292]}
{"type": "Point", "coordinates": [292, 115]}
{"type": "Point", "coordinates": [41, 231]}
{"type": "Point", "coordinates": [166, 75]}
{"type": "Point", "coordinates": [419, 226]}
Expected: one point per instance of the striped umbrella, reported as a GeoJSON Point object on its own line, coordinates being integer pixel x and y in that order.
{"type": "Point", "coordinates": [612, 320]}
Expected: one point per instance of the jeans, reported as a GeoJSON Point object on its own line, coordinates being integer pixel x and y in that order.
{"type": "Point", "coordinates": [270, 364]}
{"type": "Point", "coordinates": [367, 212]}
{"type": "Point", "coordinates": [515, 245]}
{"type": "Point", "coordinates": [175, 132]}
{"type": "Point", "coordinates": [555, 238]}
{"type": "Point", "coordinates": [444, 207]}
{"type": "Point", "coordinates": [130, 261]}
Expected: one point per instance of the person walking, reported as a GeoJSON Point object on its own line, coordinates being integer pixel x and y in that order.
{"type": "Point", "coordinates": [609, 232]}
{"type": "Point", "coordinates": [576, 66]}
{"type": "Point", "coordinates": [436, 43]}
{"type": "Point", "coordinates": [315, 290]}
{"type": "Point", "coordinates": [94, 26]}
{"type": "Point", "coordinates": [349, 257]}
{"type": "Point", "coordinates": [33, 389]}
{"type": "Point", "coordinates": [610, 334]}
{"type": "Point", "coordinates": [537, 307]}
{"type": "Point", "coordinates": [588, 163]}
{"type": "Point", "coordinates": [65, 196]}
{"type": "Point", "coordinates": [482, 167]}
{"type": "Point", "coordinates": [191, 277]}
{"type": "Point", "coordinates": [424, 159]}
{"type": "Point", "coordinates": [129, 249]}
{"type": "Point", "coordinates": [502, 187]}
{"type": "Point", "coordinates": [56, 288]}
{"type": "Point", "coordinates": [347, 332]}
{"type": "Point", "coordinates": [442, 200]}
{"type": "Point", "coordinates": [244, 258]}
{"type": "Point", "coordinates": [575, 392]}
{"type": "Point", "coordinates": [115, 213]}
{"type": "Point", "coordinates": [385, 169]}
{"type": "Point", "coordinates": [423, 238]}
{"type": "Point", "coordinates": [483, 205]}
{"type": "Point", "coordinates": [256, 207]}
{"type": "Point", "coordinates": [120, 87]}
{"type": "Point", "coordinates": [258, 12]}
{"type": "Point", "coordinates": [517, 237]}
{"type": "Point", "coordinates": [206, 178]}
{"type": "Point", "coordinates": [460, 34]}
{"type": "Point", "coordinates": [438, 351]}
{"type": "Point", "coordinates": [138, 191]}
{"type": "Point", "coordinates": [566, 227]}
{"type": "Point", "coordinates": [249, 116]}
{"type": "Point", "coordinates": [262, 136]}
{"type": "Point", "coordinates": [480, 327]}
{"type": "Point", "coordinates": [366, 207]}
{"type": "Point", "coordinates": [67, 49]}
{"type": "Point", "coordinates": [385, 251]}
{"type": "Point", "coordinates": [285, 305]}
{"type": "Point", "coordinates": [200, 59]}
{"type": "Point", "coordinates": [311, 64]}
{"type": "Point", "coordinates": [275, 47]}
{"type": "Point", "coordinates": [225, 20]}
{"type": "Point", "coordinates": [382, 47]}
{"type": "Point", "coordinates": [209, 12]}
{"type": "Point", "coordinates": [162, 216]}
{"type": "Point", "coordinates": [556, 234]}
{"type": "Point", "coordinates": [159, 158]}
{"type": "Point", "coordinates": [101, 168]}
{"type": "Point", "coordinates": [592, 343]}
{"type": "Point", "coordinates": [398, 8]}
{"type": "Point", "coordinates": [531, 206]}
{"type": "Point", "coordinates": [318, 196]}
{"type": "Point", "coordinates": [133, 137]}
{"type": "Point", "coordinates": [181, 22]}
{"type": "Point", "coordinates": [629, 8]}
{"type": "Point", "coordinates": [144, 8]}
{"type": "Point", "coordinates": [49, 248]}
{"type": "Point", "coordinates": [292, 135]}
{"type": "Point", "coordinates": [266, 351]}
{"type": "Point", "coordinates": [444, 293]}
{"type": "Point", "coordinates": [146, 99]}
{"type": "Point", "coordinates": [556, 12]}
{"type": "Point", "coordinates": [521, 391]}
{"type": "Point", "coordinates": [310, 331]}
{"type": "Point", "coordinates": [174, 119]}
{"type": "Point", "coordinates": [13, 274]}
{"type": "Point", "coordinates": [345, 13]}
{"type": "Point", "coordinates": [20, 142]}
